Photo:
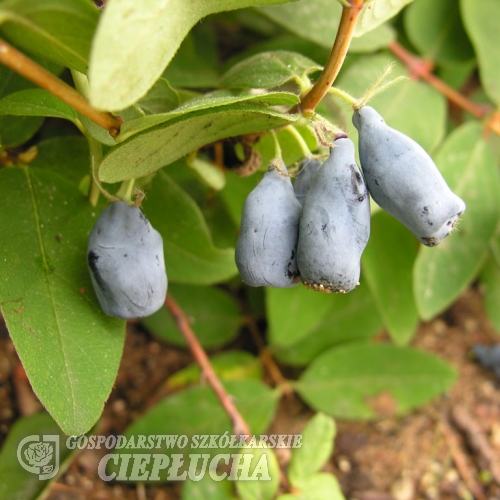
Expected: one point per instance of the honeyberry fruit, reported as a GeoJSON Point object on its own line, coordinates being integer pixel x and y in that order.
{"type": "Point", "coordinates": [488, 356]}
{"type": "Point", "coordinates": [335, 223]}
{"type": "Point", "coordinates": [308, 169]}
{"type": "Point", "coordinates": [127, 267]}
{"type": "Point", "coordinates": [403, 179]}
{"type": "Point", "coordinates": [267, 244]}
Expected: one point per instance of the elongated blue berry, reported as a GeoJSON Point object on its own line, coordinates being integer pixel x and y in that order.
{"type": "Point", "coordinates": [335, 223]}
{"type": "Point", "coordinates": [403, 179]}
{"type": "Point", "coordinates": [308, 169]}
{"type": "Point", "coordinates": [127, 267]}
{"type": "Point", "coordinates": [267, 244]}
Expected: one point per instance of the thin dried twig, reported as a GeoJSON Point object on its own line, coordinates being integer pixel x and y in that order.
{"type": "Point", "coordinates": [350, 14]}
{"type": "Point", "coordinates": [478, 441]}
{"type": "Point", "coordinates": [460, 460]}
{"type": "Point", "coordinates": [23, 65]}
{"type": "Point", "coordinates": [240, 427]}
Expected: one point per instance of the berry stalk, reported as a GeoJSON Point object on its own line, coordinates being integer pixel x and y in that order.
{"type": "Point", "coordinates": [350, 14]}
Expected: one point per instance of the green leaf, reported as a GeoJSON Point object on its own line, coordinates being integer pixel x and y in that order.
{"type": "Point", "coordinates": [60, 30]}
{"type": "Point", "coordinates": [235, 193]}
{"type": "Point", "coordinates": [376, 12]}
{"type": "Point", "coordinates": [206, 489]}
{"type": "Point", "coordinates": [436, 30]}
{"type": "Point", "coordinates": [121, 73]}
{"type": "Point", "coordinates": [263, 465]}
{"type": "Point", "coordinates": [190, 254]}
{"type": "Point", "coordinates": [158, 146]}
{"type": "Point", "coordinates": [15, 481]}
{"type": "Point", "coordinates": [15, 131]}
{"type": "Point", "coordinates": [490, 279]}
{"type": "Point", "coordinates": [161, 98]}
{"type": "Point", "coordinates": [211, 101]}
{"type": "Point", "coordinates": [53, 156]}
{"type": "Point", "coordinates": [215, 317]}
{"type": "Point", "coordinates": [232, 365]}
{"type": "Point", "coordinates": [36, 102]}
{"type": "Point", "coordinates": [196, 411]}
{"type": "Point", "coordinates": [480, 19]}
{"type": "Point", "coordinates": [350, 317]}
{"type": "Point", "coordinates": [293, 312]}
{"type": "Point", "coordinates": [196, 63]}
{"type": "Point", "coordinates": [388, 268]}
{"type": "Point", "coordinates": [316, 20]}
{"type": "Point", "coordinates": [320, 486]}
{"type": "Point", "coordinates": [316, 447]}
{"type": "Point", "coordinates": [69, 348]}
{"type": "Point", "coordinates": [208, 173]}
{"type": "Point", "coordinates": [443, 272]}
{"type": "Point", "coordinates": [268, 70]}
{"type": "Point", "coordinates": [414, 108]}
{"type": "Point", "coordinates": [344, 380]}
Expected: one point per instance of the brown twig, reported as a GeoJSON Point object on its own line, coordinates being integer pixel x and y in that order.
{"type": "Point", "coordinates": [460, 460]}
{"type": "Point", "coordinates": [478, 441]}
{"type": "Point", "coordinates": [347, 24]}
{"type": "Point", "coordinates": [267, 359]}
{"type": "Point", "coordinates": [240, 427]}
{"type": "Point", "coordinates": [23, 65]}
{"type": "Point", "coordinates": [419, 68]}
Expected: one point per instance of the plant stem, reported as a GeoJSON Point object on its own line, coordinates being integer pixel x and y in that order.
{"type": "Point", "coordinates": [95, 148]}
{"type": "Point", "coordinates": [299, 139]}
{"type": "Point", "coordinates": [347, 24]}
{"type": "Point", "coordinates": [344, 95]}
{"type": "Point", "coordinates": [277, 147]}
{"type": "Point", "coordinates": [240, 427]}
{"type": "Point", "coordinates": [267, 359]}
{"type": "Point", "coordinates": [420, 68]}
{"type": "Point", "coordinates": [95, 159]}
{"type": "Point", "coordinates": [18, 62]}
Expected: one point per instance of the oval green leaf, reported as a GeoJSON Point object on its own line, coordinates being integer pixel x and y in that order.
{"type": "Point", "coordinates": [214, 316]}
{"type": "Point", "coordinates": [350, 318]}
{"type": "Point", "coordinates": [316, 447]}
{"type": "Point", "coordinates": [190, 255]}
{"type": "Point", "coordinates": [388, 268]}
{"type": "Point", "coordinates": [134, 43]}
{"type": "Point", "coordinates": [443, 272]}
{"type": "Point", "coordinates": [268, 70]}
{"type": "Point", "coordinates": [36, 102]}
{"type": "Point", "coordinates": [436, 30]}
{"type": "Point", "coordinates": [481, 23]}
{"type": "Point", "coordinates": [376, 12]}
{"type": "Point", "coordinates": [69, 348]}
{"type": "Point", "coordinates": [316, 20]}
{"type": "Point", "coordinates": [158, 146]}
{"type": "Point", "coordinates": [60, 30]}
{"type": "Point", "coordinates": [343, 380]}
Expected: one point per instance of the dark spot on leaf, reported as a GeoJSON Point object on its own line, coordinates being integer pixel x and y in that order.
{"type": "Point", "coordinates": [57, 237]}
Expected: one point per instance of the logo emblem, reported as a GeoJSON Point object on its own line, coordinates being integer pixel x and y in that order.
{"type": "Point", "coordinates": [39, 455]}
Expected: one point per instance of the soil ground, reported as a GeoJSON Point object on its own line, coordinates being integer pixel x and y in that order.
{"type": "Point", "coordinates": [448, 449]}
